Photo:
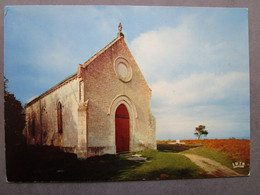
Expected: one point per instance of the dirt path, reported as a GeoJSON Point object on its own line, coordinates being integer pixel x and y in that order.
{"type": "Point", "coordinates": [212, 167]}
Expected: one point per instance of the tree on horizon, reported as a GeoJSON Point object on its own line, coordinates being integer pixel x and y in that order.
{"type": "Point", "coordinates": [200, 130]}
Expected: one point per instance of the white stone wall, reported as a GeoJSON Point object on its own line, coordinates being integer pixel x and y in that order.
{"type": "Point", "coordinates": [45, 111]}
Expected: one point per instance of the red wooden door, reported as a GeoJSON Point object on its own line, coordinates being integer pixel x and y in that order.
{"type": "Point", "coordinates": [122, 129]}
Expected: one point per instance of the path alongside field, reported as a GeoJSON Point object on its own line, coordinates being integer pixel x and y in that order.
{"type": "Point", "coordinates": [212, 167]}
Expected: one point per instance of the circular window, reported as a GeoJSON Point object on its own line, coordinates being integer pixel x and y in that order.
{"type": "Point", "coordinates": [123, 69]}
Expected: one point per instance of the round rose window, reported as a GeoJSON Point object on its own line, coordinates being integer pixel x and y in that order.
{"type": "Point", "coordinates": [123, 69]}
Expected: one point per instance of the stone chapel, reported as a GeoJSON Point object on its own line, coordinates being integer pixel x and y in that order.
{"type": "Point", "coordinates": [104, 108]}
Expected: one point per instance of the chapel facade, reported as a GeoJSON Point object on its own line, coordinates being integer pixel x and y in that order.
{"type": "Point", "coordinates": [102, 109]}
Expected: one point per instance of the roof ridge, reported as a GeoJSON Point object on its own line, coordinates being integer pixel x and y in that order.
{"type": "Point", "coordinates": [101, 51]}
{"type": "Point", "coordinates": [67, 79]}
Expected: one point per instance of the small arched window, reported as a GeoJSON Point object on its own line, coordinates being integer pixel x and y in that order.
{"type": "Point", "coordinates": [33, 127]}
{"type": "Point", "coordinates": [59, 112]}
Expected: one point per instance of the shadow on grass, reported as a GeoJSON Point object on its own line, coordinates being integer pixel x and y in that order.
{"type": "Point", "coordinates": [35, 163]}
{"type": "Point", "coordinates": [49, 164]}
{"type": "Point", "coordinates": [174, 147]}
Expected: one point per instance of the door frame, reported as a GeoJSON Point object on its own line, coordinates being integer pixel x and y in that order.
{"type": "Point", "coordinates": [123, 99]}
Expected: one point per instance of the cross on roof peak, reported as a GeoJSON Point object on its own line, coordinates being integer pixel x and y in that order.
{"type": "Point", "coordinates": [120, 27]}
{"type": "Point", "coordinates": [119, 34]}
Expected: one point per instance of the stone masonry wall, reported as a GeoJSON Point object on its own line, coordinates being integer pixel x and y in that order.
{"type": "Point", "coordinates": [44, 112]}
{"type": "Point", "coordinates": [101, 87]}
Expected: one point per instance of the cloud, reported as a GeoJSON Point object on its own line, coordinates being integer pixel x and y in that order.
{"type": "Point", "coordinates": [221, 102]}
{"type": "Point", "coordinates": [204, 88]}
{"type": "Point", "coordinates": [159, 50]}
{"type": "Point", "coordinates": [196, 78]}
{"type": "Point", "coordinates": [172, 52]}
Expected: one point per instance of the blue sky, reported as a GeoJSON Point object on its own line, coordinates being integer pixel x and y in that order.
{"type": "Point", "coordinates": [195, 60]}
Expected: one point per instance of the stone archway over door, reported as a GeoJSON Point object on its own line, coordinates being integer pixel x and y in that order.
{"type": "Point", "coordinates": [122, 129]}
{"type": "Point", "coordinates": [129, 105]}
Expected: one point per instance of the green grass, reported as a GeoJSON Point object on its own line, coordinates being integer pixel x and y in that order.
{"type": "Point", "coordinates": [32, 163]}
{"type": "Point", "coordinates": [162, 166]}
{"type": "Point", "coordinates": [218, 156]}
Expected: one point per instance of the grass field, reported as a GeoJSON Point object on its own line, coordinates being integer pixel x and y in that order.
{"type": "Point", "coordinates": [218, 156]}
{"type": "Point", "coordinates": [31, 163]}
{"type": "Point", "coordinates": [49, 164]}
{"type": "Point", "coordinates": [224, 151]}
{"type": "Point", "coordinates": [237, 149]}
{"type": "Point", "coordinates": [163, 165]}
